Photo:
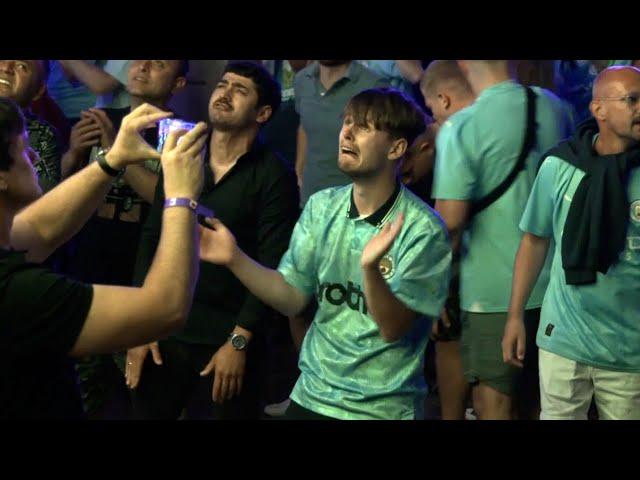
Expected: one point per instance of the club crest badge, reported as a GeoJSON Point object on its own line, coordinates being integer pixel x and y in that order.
{"type": "Point", "coordinates": [387, 267]}
{"type": "Point", "coordinates": [635, 211]}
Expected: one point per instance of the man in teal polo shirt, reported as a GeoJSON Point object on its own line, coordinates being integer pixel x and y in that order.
{"type": "Point", "coordinates": [377, 259]}
{"type": "Point", "coordinates": [483, 147]}
{"type": "Point", "coordinates": [589, 335]}
{"type": "Point", "coordinates": [322, 90]}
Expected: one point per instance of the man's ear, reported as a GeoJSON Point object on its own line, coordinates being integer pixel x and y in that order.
{"type": "Point", "coordinates": [179, 84]}
{"type": "Point", "coordinates": [444, 100]}
{"type": "Point", "coordinates": [264, 114]}
{"type": "Point", "coordinates": [598, 110]}
{"type": "Point", "coordinates": [398, 149]}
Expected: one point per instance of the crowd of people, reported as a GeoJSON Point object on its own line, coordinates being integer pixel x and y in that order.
{"type": "Point", "coordinates": [338, 240]}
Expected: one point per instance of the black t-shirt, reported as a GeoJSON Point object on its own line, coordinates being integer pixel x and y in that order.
{"type": "Point", "coordinates": [41, 316]}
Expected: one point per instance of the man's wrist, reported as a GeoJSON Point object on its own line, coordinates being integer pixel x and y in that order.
{"type": "Point", "coordinates": [238, 330]}
{"type": "Point", "coordinates": [114, 159]}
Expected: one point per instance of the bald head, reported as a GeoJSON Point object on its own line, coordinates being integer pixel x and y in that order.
{"type": "Point", "coordinates": [614, 81]}
{"type": "Point", "coordinates": [440, 73]}
{"type": "Point", "coordinates": [616, 107]}
{"type": "Point", "coordinates": [445, 89]}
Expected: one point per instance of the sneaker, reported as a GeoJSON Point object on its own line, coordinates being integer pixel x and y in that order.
{"type": "Point", "coordinates": [277, 409]}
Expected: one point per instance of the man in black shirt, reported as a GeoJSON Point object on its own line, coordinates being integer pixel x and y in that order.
{"type": "Point", "coordinates": [250, 189]}
{"type": "Point", "coordinates": [45, 318]}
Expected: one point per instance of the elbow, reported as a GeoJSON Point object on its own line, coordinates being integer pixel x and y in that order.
{"type": "Point", "coordinates": [176, 318]}
{"type": "Point", "coordinates": [390, 335]}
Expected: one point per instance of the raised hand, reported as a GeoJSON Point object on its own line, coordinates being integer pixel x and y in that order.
{"type": "Point", "coordinates": [129, 146]}
{"type": "Point", "coordinates": [182, 162]}
{"type": "Point", "coordinates": [99, 118]}
{"type": "Point", "coordinates": [380, 244]}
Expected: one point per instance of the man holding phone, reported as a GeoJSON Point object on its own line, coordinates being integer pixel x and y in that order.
{"type": "Point", "coordinates": [46, 318]}
{"type": "Point", "coordinates": [105, 249]}
{"type": "Point", "coordinates": [218, 354]}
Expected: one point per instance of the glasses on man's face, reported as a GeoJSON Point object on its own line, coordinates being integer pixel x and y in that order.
{"type": "Point", "coordinates": [631, 100]}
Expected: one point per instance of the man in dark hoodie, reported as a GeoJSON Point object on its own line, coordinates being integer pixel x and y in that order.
{"type": "Point", "coordinates": [587, 198]}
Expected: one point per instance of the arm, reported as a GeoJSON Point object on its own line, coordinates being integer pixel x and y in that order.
{"type": "Point", "coordinates": [411, 70]}
{"type": "Point", "coordinates": [218, 246]}
{"type": "Point", "coordinates": [301, 154]}
{"type": "Point", "coordinates": [530, 258]}
{"type": "Point", "coordinates": [394, 319]}
{"type": "Point", "coordinates": [142, 180]}
{"type": "Point", "coordinates": [392, 316]}
{"type": "Point", "coordinates": [122, 317]}
{"type": "Point", "coordinates": [95, 78]}
{"type": "Point", "coordinates": [40, 228]}
{"type": "Point", "coordinates": [455, 214]}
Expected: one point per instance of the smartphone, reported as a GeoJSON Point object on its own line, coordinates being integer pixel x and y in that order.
{"type": "Point", "coordinates": [167, 126]}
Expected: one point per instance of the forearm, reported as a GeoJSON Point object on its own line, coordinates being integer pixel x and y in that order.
{"type": "Point", "coordinates": [142, 180]}
{"type": "Point", "coordinates": [59, 215]}
{"type": "Point", "coordinates": [530, 258]}
{"type": "Point", "coordinates": [96, 79]}
{"type": "Point", "coordinates": [301, 153]}
{"type": "Point", "coordinates": [267, 284]}
{"type": "Point", "coordinates": [171, 279]}
{"type": "Point", "coordinates": [393, 318]}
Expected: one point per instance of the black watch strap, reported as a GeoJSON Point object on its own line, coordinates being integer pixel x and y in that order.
{"type": "Point", "coordinates": [102, 161]}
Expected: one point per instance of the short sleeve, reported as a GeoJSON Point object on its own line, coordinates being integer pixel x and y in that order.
{"type": "Point", "coordinates": [538, 214]}
{"type": "Point", "coordinates": [454, 176]}
{"type": "Point", "coordinates": [298, 264]}
{"type": "Point", "coordinates": [42, 312]}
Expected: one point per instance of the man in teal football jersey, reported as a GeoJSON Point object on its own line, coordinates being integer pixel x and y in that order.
{"type": "Point", "coordinates": [485, 142]}
{"type": "Point", "coordinates": [589, 335]}
{"type": "Point", "coordinates": [376, 257]}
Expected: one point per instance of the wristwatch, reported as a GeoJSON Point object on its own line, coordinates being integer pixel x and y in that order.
{"type": "Point", "coordinates": [238, 342]}
{"type": "Point", "coordinates": [102, 161]}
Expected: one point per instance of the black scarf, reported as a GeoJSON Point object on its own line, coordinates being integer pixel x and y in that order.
{"type": "Point", "coordinates": [596, 226]}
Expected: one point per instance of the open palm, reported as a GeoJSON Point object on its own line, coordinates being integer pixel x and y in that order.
{"type": "Point", "coordinates": [380, 244]}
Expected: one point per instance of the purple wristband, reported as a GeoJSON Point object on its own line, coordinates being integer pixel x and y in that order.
{"type": "Point", "coordinates": [191, 204]}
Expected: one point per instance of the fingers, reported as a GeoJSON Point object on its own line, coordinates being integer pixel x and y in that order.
{"type": "Point", "coordinates": [521, 347]}
{"type": "Point", "coordinates": [144, 109]}
{"type": "Point", "coordinates": [396, 225]}
{"type": "Point", "coordinates": [192, 137]}
{"type": "Point", "coordinates": [146, 121]}
{"type": "Point", "coordinates": [232, 388]}
{"type": "Point", "coordinates": [214, 223]}
{"type": "Point", "coordinates": [99, 117]}
{"type": "Point", "coordinates": [197, 146]}
{"type": "Point", "coordinates": [508, 347]}
{"type": "Point", "coordinates": [209, 368]}
{"type": "Point", "coordinates": [216, 387]}
{"type": "Point", "coordinates": [155, 353]}
{"type": "Point", "coordinates": [239, 385]}
{"type": "Point", "coordinates": [86, 128]}
{"type": "Point", "coordinates": [224, 387]}
{"type": "Point", "coordinates": [172, 140]}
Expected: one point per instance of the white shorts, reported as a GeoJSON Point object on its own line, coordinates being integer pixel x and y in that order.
{"type": "Point", "coordinates": [567, 387]}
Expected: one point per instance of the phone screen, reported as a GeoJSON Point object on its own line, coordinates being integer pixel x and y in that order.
{"type": "Point", "coordinates": [167, 126]}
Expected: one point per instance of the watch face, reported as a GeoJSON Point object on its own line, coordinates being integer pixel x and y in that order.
{"type": "Point", "coordinates": [239, 342]}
